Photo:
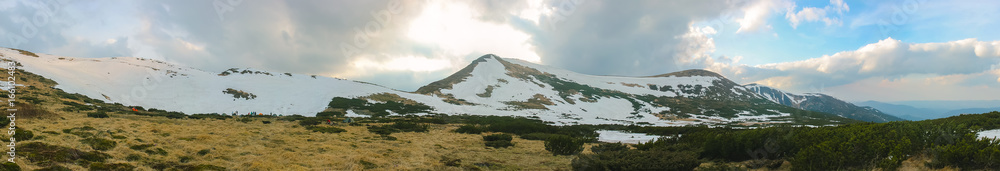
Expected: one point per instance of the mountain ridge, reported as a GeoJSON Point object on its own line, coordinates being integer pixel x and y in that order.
{"type": "Point", "coordinates": [823, 103]}
{"type": "Point", "coordinates": [489, 85]}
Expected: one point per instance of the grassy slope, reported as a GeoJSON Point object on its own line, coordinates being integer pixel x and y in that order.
{"type": "Point", "coordinates": [280, 145]}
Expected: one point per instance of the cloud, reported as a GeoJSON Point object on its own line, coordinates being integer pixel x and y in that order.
{"type": "Point", "coordinates": [41, 26]}
{"type": "Point", "coordinates": [755, 14]}
{"type": "Point", "coordinates": [812, 14]}
{"type": "Point", "coordinates": [957, 65]}
{"type": "Point", "coordinates": [605, 38]}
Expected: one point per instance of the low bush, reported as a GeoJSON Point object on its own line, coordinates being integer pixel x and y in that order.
{"type": "Point", "coordinates": [385, 130]}
{"type": "Point", "coordinates": [140, 147]}
{"type": "Point", "coordinates": [157, 151]}
{"type": "Point", "coordinates": [609, 147]}
{"type": "Point", "coordinates": [97, 115]}
{"type": "Point", "coordinates": [311, 121]}
{"type": "Point", "coordinates": [210, 116]}
{"type": "Point", "coordinates": [469, 129]}
{"type": "Point", "coordinates": [22, 135]}
{"type": "Point", "coordinates": [292, 118]}
{"type": "Point", "coordinates": [499, 144]}
{"type": "Point", "coordinates": [99, 143]}
{"type": "Point", "coordinates": [330, 114]}
{"type": "Point", "coordinates": [325, 129]}
{"type": "Point", "coordinates": [204, 152]}
{"type": "Point", "coordinates": [498, 137]}
{"type": "Point", "coordinates": [637, 160]}
{"type": "Point", "coordinates": [498, 140]}
{"type": "Point", "coordinates": [116, 166]}
{"type": "Point", "coordinates": [44, 155]}
{"type": "Point", "coordinates": [563, 145]}
{"type": "Point", "coordinates": [410, 127]}
{"type": "Point", "coordinates": [133, 157]}
{"type": "Point", "coordinates": [538, 136]}
{"type": "Point", "coordinates": [10, 166]}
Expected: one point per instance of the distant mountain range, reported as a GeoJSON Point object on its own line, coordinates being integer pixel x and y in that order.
{"type": "Point", "coordinates": [490, 85]}
{"type": "Point", "coordinates": [823, 103]}
{"type": "Point", "coordinates": [913, 113]}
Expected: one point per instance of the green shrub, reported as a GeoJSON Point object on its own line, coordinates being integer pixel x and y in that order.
{"type": "Point", "coordinates": [210, 116]}
{"type": "Point", "coordinates": [140, 147]}
{"type": "Point", "coordinates": [157, 151]}
{"type": "Point", "coordinates": [563, 145]}
{"type": "Point", "coordinates": [99, 143]}
{"type": "Point", "coordinates": [498, 137]}
{"type": "Point", "coordinates": [185, 159]}
{"type": "Point", "coordinates": [201, 167]}
{"type": "Point", "coordinates": [498, 140]}
{"type": "Point", "coordinates": [410, 127]}
{"type": "Point", "coordinates": [469, 129]}
{"type": "Point", "coordinates": [330, 114]}
{"type": "Point", "coordinates": [245, 120]}
{"type": "Point", "coordinates": [325, 129]}
{"type": "Point", "coordinates": [968, 153]}
{"type": "Point", "coordinates": [43, 154]}
{"type": "Point", "coordinates": [23, 135]}
{"type": "Point", "coordinates": [368, 165]}
{"type": "Point", "coordinates": [175, 115]}
{"type": "Point", "coordinates": [385, 130]}
{"type": "Point", "coordinates": [521, 127]}
{"type": "Point", "coordinates": [609, 147]}
{"type": "Point", "coordinates": [116, 166]}
{"type": "Point", "coordinates": [499, 144]}
{"type": "Point", "coordinates": [382, 130]}
{"type": "Point", "coordinates": [9, 166]}
{"type": "Point", "coordinates": [97, 115]}
{"type": "Point", "coordinates": [311, 121]}
{"type": "Point", "coordinates": [133, 157]}
{"type": "Point", "coordinates": [538, 136]}
{"type": "Point", "coordinates": [637, 160]}
{"type": "Point", "coordinates": [204, 152]}
{"type": "Point", "coordinates": [292, 118]}
{"type": "Point", "coordinates": [54, 168]}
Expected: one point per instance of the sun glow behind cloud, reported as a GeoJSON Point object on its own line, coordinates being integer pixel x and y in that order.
{"type": "Point", "coordinates": [408, 63]}
{"type": "Point", "coordinates": [454, 28]}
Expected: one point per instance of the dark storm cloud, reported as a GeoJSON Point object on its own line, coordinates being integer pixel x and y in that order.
{"type": "Point", "coordinates": [40, 25]}
{"type": "Point", "coordinates": [292, 36]}
{"type": "Point", "coordinates": [631, 39]}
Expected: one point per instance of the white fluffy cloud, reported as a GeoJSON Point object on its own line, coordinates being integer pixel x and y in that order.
{"type": "Point", "coordinates": [950, 70]}
{"type": "Point", "coordinates": [755, 14]}
{"type": "Point", "coordinates": [813, 14]}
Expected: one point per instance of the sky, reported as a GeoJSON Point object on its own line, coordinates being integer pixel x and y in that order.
{"type": "Point", "coordinates": [894, 50]}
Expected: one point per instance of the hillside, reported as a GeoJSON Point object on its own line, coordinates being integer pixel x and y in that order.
{"type": "Point", "coordinates": [488, 86]}
{"type": "Point", "coordinates": [822, 103]}
{"type": "Point", "coordinates": [681, 98]}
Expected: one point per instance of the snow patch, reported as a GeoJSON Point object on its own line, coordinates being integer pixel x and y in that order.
{"type": "Point", "coordinates": [624, 137]}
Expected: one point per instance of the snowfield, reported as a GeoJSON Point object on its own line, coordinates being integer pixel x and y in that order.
{"type": "Point", "coordinates": [624, 137]}
{"type": "Point", "coordinates": [991, 134]}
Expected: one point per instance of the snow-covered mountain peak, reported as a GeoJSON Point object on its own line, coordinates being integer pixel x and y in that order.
{"type": "Point", "coordinates": [691, 73]}
{"type": "Point", "coordinates": [820, 102]}
{"type": "Point", "coordinates": [489, 85]}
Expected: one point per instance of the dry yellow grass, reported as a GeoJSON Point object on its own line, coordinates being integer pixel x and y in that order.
{"type": "Point", "coordinates": [284, 145]}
